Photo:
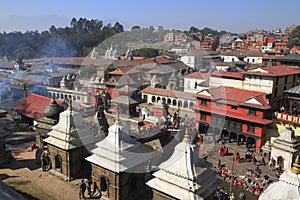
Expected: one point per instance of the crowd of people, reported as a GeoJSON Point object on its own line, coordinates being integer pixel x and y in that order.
{"type": "Point", "coordinates": [253, 180]}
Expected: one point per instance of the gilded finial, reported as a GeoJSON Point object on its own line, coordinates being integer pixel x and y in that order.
{"type": "Point", "coordinates": [296, 166]}
{"type": "Point", "coordinates": [53, 99]}
{"type": "Point", "coordinates": [187, 137]}
{"type": "Point", "coordinates": [70, 105]}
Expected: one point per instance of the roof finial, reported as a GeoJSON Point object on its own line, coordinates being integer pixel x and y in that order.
{"type": "Point", "coordinates": [53, 99]}
{"type": "Point", "coordinates": [117, 119]}
{"type": "Point", "coordinates": [70, 105]}
{"type": "Point", "coordinates": [187, 137]}
{"type": "Point", "coordinates": [296, 166]}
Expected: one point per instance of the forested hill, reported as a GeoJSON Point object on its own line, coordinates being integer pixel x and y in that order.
{"type": "Point", "coordinates": [75, 40]}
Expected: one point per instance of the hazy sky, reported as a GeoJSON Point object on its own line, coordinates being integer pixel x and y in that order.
{"type": "Point", "coordinates": [229, 15]}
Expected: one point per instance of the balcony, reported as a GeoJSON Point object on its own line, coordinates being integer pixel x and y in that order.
{"type": "Point", "coordinates": [285, 117]}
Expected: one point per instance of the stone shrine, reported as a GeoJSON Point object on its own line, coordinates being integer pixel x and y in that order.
{"type": "Point", "coordinates": [69, 143]}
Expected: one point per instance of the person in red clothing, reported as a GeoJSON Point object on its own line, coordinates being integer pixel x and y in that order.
{"type": "Point", "coordinates": [32, 147]}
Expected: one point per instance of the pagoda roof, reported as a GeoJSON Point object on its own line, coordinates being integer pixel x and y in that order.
{"type": "Point", "coordinates": [293, 90]}
{"type": "Point", "coordinates": [228, 95]}
{"type": "Point", "coordinates": [290, 57]}
{"type": "Point", "coordinates": [33, 106]}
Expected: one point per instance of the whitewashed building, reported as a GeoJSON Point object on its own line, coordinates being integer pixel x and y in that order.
{"type": "Point", "coordinates": [114, 161]}
{"type": "Point", "coordinates": [183, 175]}
{"type": "Point", "coordinates": [284, 149]}
{"type": "Point", "coordinates": [196, 82]}
{"type": "Point", "coordinates": [252, 57]}
{"type": "Point", "coordinates": [273, 80]}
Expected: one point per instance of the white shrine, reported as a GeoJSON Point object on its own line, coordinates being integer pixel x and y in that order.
{"type": "Point", "coordinates": [284, 148]}
{"type": "Point", "coordinates": [111, 54]}
{"type": "Point", "coordinates": [184, 175]}
{"type": "Point", "coordinates": [287, 187]}
{"type": "Point", "coordinates": [114, 161]}
{"type": "Point", "coordinates": [69, 143]}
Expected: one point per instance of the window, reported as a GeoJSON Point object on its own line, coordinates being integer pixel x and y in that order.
{"type": "Point", "coordinates": [204, 102]}
{"type": "Point", "coordinates": [250, 128]}
{"type": "Point", "coordinates": [252, 112]}
{"type": "Point", "coordinates": [238, 125]}
{"type": "Point", "coordinates": [233, 107]}
{"type": "Point", "coordinates": [196, 85]}
{"type": "Point", "coordinates": [203, 117]}
{"type": "Point", "coordinates": [277, 80]}
{"type": "Point", "coordinates": [285, 79]}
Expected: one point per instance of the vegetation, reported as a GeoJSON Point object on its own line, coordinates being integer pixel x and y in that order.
{"type": "Point", "coordinates": [76, 40]}
{"type": "Point", "coordinates": [294, 38]}
{"type": "Point", "coordinates": [205, 31]}
{"type": "Point", "coordinates": [145, 52]}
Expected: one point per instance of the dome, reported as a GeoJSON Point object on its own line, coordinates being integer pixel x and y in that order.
{"type": "Point", "coordinates": [52, 110]}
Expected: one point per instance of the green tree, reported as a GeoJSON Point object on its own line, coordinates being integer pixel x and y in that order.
{"type": "Point", "coordinates": [145, 52]}
{"type": "Point", "coordinates": [294, 37]}
{"type": "Point", "coordinates": [136, 27]}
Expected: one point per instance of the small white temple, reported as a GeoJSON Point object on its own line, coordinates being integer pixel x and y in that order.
{"type": "Point", "coordinates": [118, 163]}
{"type": "Point", "coordinates": [284, 148]}
{"type": "Point", "coordinates": [287, 187]}
{"type": "Point", "coordinates": [69, 143]}
{"type": "Point", "coordinates": [154, 81]}
{"type": "Point", "coordinates": [111, 54]}
{"type": "Point", "coordinates": [184, 175]}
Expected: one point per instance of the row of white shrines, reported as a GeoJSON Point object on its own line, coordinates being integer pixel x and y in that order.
{"type": "Point", "coordinates": [120, 164]}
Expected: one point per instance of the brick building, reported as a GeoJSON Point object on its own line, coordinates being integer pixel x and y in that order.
{"type": "Point", "coordinates": [238, 115]}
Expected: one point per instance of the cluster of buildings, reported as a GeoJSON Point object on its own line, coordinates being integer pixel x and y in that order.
{"type": "Point", "coordinates": [237, 96]}
{"type": "Point", "coordinates": [272, 42]}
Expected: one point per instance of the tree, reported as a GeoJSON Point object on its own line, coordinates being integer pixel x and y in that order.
{"type": "Point", "coordinates": [145, 52]}
{"type": "Point", "coordinates": [135, 27]}
{"type": "Point", "coordinates": [193, 29]}
{"type": "Point", "coordinates": [118, 27]}
{"type": "Point", "coordinates": [52, 29]}
{"type": "Point", "coordinates": [294, 38]}
{"type": "Point", "coordinates": [75, 40]}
